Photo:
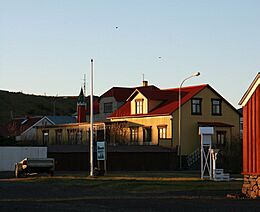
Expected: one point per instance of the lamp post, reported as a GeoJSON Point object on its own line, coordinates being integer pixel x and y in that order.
{"type": "Point", "coordinates": [179, 149]}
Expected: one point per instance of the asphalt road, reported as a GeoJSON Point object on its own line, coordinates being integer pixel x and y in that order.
{"type": "Point", "coordinates": [41, 195]}
{"type": "Point", "coordinates": [133, 204]}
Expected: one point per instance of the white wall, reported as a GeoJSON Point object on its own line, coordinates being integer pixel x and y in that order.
{"type": "Point", "coordinates": [11, 155]}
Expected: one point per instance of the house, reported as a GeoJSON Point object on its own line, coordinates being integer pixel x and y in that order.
{"type": "Point", "coordinates": [150, 117]}
{"type": "Point", "coordinates": [251, 137]}
{"type": "Point", "coordinates": [146, 117]}
{"type": "Point", "coordinates": [24, 128]}
{"type": "Point", "coordinates": [70, 142]}
{"type": "Point", "coordinates": [109, 102]}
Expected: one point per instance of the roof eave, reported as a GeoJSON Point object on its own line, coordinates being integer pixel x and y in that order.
{"type": "Point", "coordinates": [250, 90]}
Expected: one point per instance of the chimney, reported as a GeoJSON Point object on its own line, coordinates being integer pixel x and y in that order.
{"type": "Point", "coordinates": [145, 83]}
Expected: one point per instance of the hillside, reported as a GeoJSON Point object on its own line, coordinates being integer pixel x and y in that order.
{"type": "Point", "coordinates": [19, 104]}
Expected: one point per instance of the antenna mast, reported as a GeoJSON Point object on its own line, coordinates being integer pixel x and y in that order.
{"type": "Point", "coordinates": [84, 85]}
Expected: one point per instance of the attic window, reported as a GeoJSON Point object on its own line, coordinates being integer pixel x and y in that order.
{"type": "Point", "coordinates": [139, 106]}
{"type": "Point", "coordinates": [196, 106]}
{"type": "Point", "coordinates": [216, 107]}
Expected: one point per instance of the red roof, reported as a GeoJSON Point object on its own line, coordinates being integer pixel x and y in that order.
{"type": "Point", "coordinates": [18, 125]}
{"type": "Point", "coordinates": [119, 93]}
{"type": "Point", "coordinates": [168, 97]}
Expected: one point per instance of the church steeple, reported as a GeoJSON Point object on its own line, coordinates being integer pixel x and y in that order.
{"type": "Point", "coordinates": [81, 107]}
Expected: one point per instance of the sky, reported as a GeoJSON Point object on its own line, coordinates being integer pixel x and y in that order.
{"type": "Point", "coordinates": [46, 45]}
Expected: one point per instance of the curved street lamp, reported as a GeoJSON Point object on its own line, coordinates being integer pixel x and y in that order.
{"type": "Point", "coordinates": [179, 148]}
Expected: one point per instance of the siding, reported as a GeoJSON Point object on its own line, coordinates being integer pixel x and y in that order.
{"type": "Point", "coordinates": [251, 134]}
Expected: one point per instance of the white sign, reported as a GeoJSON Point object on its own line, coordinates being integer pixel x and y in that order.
{"type": "Point", "coordinates": [101, 150]}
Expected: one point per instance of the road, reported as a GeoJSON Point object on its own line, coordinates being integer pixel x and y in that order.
{"type": "Point", "coordinates": [80, 194]}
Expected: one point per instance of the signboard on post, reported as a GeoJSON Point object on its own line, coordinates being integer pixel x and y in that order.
{"type": "Point", "coordinates": [101, 150]}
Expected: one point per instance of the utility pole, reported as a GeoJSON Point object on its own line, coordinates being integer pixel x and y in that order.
{"type": "Point", "coordinates": [91, 120]}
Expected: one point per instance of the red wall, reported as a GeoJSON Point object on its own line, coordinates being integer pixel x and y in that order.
{"type": "Point", "coordinates": [81, 113]}
{"type": "Point", "coordinates": [251, 134]}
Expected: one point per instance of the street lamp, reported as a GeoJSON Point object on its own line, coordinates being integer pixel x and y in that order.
{"type": "Point", "coordinates": [179, 149]}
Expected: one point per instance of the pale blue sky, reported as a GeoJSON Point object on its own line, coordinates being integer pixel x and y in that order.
{"type": "Point", "coordinates": [46, 45]}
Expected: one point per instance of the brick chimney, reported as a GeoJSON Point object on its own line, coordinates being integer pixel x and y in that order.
{"type": "Point", "coordinates": [145, 83]}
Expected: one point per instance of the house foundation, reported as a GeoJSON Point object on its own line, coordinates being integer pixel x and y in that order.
{"type": "Point", "coordinates": [251, 186]}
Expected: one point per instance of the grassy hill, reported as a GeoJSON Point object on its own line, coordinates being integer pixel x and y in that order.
{"type": "Point", "coordinates": [19, 104]}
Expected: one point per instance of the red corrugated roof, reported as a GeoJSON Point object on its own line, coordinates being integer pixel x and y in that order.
{"type": "Point", "coordinates": [169, 98]}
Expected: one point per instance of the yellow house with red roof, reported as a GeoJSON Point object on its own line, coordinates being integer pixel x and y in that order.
{"type": "Point", "coordinates": [150, 117]}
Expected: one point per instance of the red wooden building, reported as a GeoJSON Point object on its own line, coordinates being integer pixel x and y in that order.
{"type": "Point", "coordinates": [251, 133]}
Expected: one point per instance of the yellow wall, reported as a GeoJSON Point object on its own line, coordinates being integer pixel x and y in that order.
{"type": "Point", "coordinates": [145, 103]}
{"type": "Point", "coordinates": [189, 132]}
{"type": "Point", "coordinates": [64, 140]}
{"type": "Point", "coordinates": [153, 122]}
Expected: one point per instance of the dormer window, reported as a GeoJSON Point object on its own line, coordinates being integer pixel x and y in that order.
{"type": "Point", "coordinates": [108, 107]}
{"type": "Point", "coordinates": [139, 106]}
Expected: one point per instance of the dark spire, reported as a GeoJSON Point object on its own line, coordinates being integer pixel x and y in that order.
{"type": "Point", "coordinates": [81, 98]}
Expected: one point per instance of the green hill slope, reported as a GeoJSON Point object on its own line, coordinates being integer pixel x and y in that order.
{"type": "Point", "coordinates": [19, 104]}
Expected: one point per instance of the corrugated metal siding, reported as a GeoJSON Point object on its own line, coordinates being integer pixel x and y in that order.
{"type": "Point", "coordinates": [251, 134]}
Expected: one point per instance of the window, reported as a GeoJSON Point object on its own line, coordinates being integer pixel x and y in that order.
{"type": "Point", "coordinates": [147, 134]}
{"type": "Point", "coordinates": [72, 136]}
{"type": "Point", "coordinates": [162, 132]}
{"type": "Point", "coordinates": [134, 134]}
{"type": "Point", "coordinates": [79, 137]}
{"type": "Point", "coordinates": [58, 135]}
{"type": "Point", "coordinates": [216, 106]}
{"type": "Point", "coordinates": [196, 106]}
{"type": "Point", "coordinates": [139, 106]}
{"type": "Point", "coordinates": [221, 138]}
{"type": "Point", "coordinates": [108, 107]}
{"type": "Point", "coordinates": [45, 137]}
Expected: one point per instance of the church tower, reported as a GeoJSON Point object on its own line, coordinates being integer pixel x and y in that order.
{"type": "Point", "coordinates": [81, 107]}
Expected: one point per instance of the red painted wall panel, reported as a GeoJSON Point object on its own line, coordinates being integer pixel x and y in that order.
{"type": "Point", "coordinates": [251, 134]}
{"type": "Point", "coordinates": [258, 129]}
{"type": "Point", "coordinates": [81, 113]}
{"type": "Point", "coordinates": [245, 139]}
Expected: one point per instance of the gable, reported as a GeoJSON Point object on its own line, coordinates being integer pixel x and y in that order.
{"type": "Point", "coordinates": [208, 94]}
{"type": "Point", "coordinates": [139, 97]}
{"type": "Point", "coordinates": [251, 90]}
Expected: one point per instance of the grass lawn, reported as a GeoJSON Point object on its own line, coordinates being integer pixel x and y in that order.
{"type": "Point", "coordinates": [132, 183]}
